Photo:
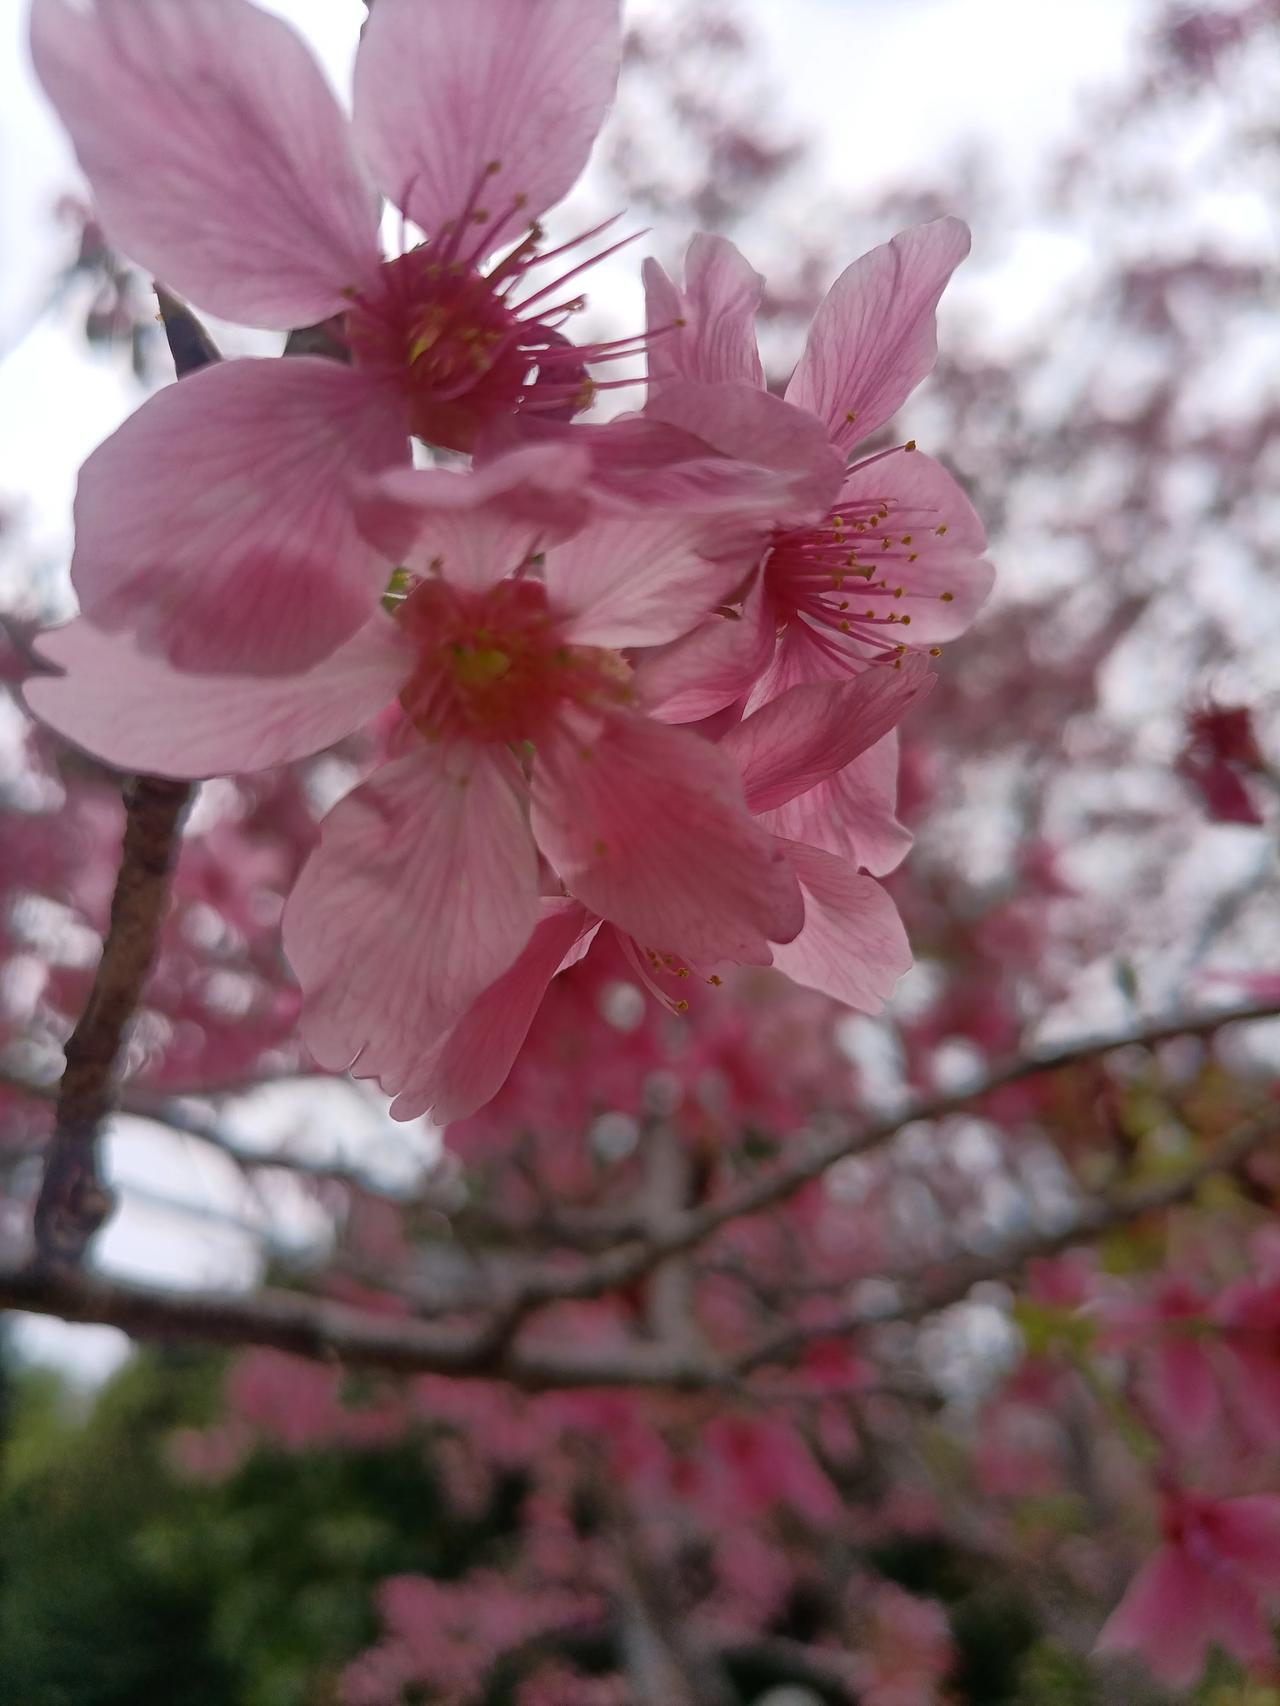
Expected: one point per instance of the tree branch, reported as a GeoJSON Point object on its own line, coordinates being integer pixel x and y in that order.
{"type": "Point", "coordinates": [74, 1200]}
{"type": "Point", "coordinates": [958, 1279]}
{"type": "Point", "coordinates": [807, 1162]}
{"type": "Point", "coordinates": [335, 1333]}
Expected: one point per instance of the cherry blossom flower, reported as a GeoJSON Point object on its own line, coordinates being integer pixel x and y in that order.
{"type": "Point", "coordinates": [214, 524]}
{"type": "Point", "coordinates": [517, 735]}
{"type": "Point", "coordinates": [1208, 1584]}
{"type": "Point", "coordinates": [852, 945]}
{"type": "Point", "coordinates": [895, 561]}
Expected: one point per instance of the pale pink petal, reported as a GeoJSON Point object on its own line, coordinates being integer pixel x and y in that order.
{"type": "Point", "coordinates": [718, 305]}
{"type": "Point", "coordinates": [875, 336]}
{"type": "Point", "coordinates": [215, 524]}
{"type": "Point", "coordinates": [853, 813]}
{"type": "Point", "coordinates": [422, 890]}
{"type": "Point", "coordinates": [1235, 1621]}
{"type": "Point", "coordinates": [1163, 1618]}
{"type": "Point", "coordinates": [641, 462]}
{"type": "Point", "coordinates": [139, 713]}
{"type": "Point", "coordinates": [470, 1063]}
{"type": "Point", "coordinates": [755, 428]}
{"type": "Point", "coordinates": [1247, 1531]}
{"type": "Point", "coordinates": [484, 107]}
{"type": "Point", "coordinates": [811, 732]}
{"type": "Point", "coordinates": [647, 826]}
{"type": "Point", "coordinates": [639, 580]}
{"type": "Point", "coordinates": [711, 666]}
{"type": "Point", "coordinates": [1185, 1388]}
{"type": "Point", "coordinates": [475, 527]}
{"type": "Point", "coordinates": [218, 156]}
{"type": "Point", "coordinates": [930, 544]}
{"type": "Point", "coordinates": [853, 946]}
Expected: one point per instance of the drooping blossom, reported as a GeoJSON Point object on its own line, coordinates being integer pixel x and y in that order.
{"type": "Point", "coordinates": [893, 564]}
{"type": "Point", "coordinates": [1219, 756]}
{"type": "Point", "coordinates": [1211, 1582]}
{"type": "Point", "coordinates": [214, 525]}
{"type": "Point", "coordinates": [852, 945]}
{"type": "Point", "coordinates": [516, 735]}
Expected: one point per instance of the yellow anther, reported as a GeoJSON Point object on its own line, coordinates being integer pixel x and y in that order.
{"type": "Point", "coordinates": [905, 620]}
{"type": "Point", "coordinates": [715, 980]}
{"type": "Point", "coordinates": [935, 651]}
{"type": "Point", "coordinates": [898, 591]}
{"type": "Point", "coordinates": [914, 557]}
{"type": "Point", "coordinates": [910, 444]}
{"type": "Point", "coordinates": [851, 415]}
{"type": "Point", "coordinates": [940, 529]}
{"type": "Point", "coordinates": [946, 597]}
{"type": "Point", "coordinates": [682, 1006]}
{"type": "Point", "coordinates": [492, 167]}
{"type": "Point", "coordinates": [905, 540]}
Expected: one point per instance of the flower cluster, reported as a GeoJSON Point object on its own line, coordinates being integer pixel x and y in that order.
{"type": "Point", "coordinates": [634, 680]}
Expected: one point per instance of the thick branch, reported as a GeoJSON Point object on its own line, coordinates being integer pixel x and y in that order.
{"type": "Point", "coordinates": [335, 1333]}
{"type": "Point", "coordinates": [74, 1201]}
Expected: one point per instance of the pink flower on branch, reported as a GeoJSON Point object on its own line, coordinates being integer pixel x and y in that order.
{"type": "Point", "coordinates": [517, 736]}
{"type": "Point", "coordinates": [1210, 1583]}
{"type": "Point", "coordinates": [852, 945]}
{"type": "Point", "coordinates": [892, 562]}
{"type": "Point", "coordinates": [215, 524]}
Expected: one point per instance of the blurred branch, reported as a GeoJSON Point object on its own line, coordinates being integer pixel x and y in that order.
{"type": "Point", "coordinates": [335, 1333]}
{"type": "Point", "coordinates": [960, 1276]}
{"type": "Point", "coordinates": [807, 1162]}
{"type": "Point", "coordinates": [74, 1200]}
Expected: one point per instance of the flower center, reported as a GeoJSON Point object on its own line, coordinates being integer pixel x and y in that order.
{"type": "Point", "coordinates": [834, 574]}
{"type": "Point", "coordinates": [449, 341]}
{"type": "Point", "coordinates": [492, 666]}
{"type": "Point", "coordinates": [465, 345]}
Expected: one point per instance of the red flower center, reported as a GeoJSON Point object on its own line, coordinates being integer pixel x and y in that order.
{"type": "Point", "coordinates": [492, 665]}
{"type": "Point", "coordinates": [447, 337]}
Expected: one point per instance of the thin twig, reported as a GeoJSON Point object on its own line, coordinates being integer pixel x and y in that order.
{"type": "Point", "coordinates": [958, 1279]}
{"type": "Point", "coordinates": [807, 1162]}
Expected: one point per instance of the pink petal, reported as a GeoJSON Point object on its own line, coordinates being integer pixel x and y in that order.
{"type": "Point", "coordinates": [711, 666]}
{"type": "Point", "coordinates": [470, 1063]}
{"type": "Point", "coordinates": [758, 429]}
{"type": "Point", "coordinates": [216, 151]}
{"type": "Point", "coordinates": [811, 732]}
{"type": "Point", "coordinates": [484, 106]}
{"type": "Point", "coordinates": [646, 825]}
{"type": "Point", "coordinates": [1185, 1388]}
{"type": "Point", "coordinates": [853, 946]}
{"type": "Point", "coordinates": [1247, 1531]}
{"type": "Point", "coordinates": [475, 527]}
{"type": "Point", "coordinates": [1236, 1623]}
{"type": "Point", "coordinates": [216, 524]}
{"type": "Point", "coordinates": [639, 580]}
{"type": "Point", "coordinates": [922, 497]}
{"type": "Point", "coordinates": [422, 890]}
{"type": "Point", "coordinates": [874, 338]}
{"type": "Point", "coordinates": [718, 305]}
{"type": "Point", "coordinates": [1164, 1618]}
{"type": "Point", "coordinates": [139, 713]}
{"type": "Point", "coordinates": [853, 813]}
